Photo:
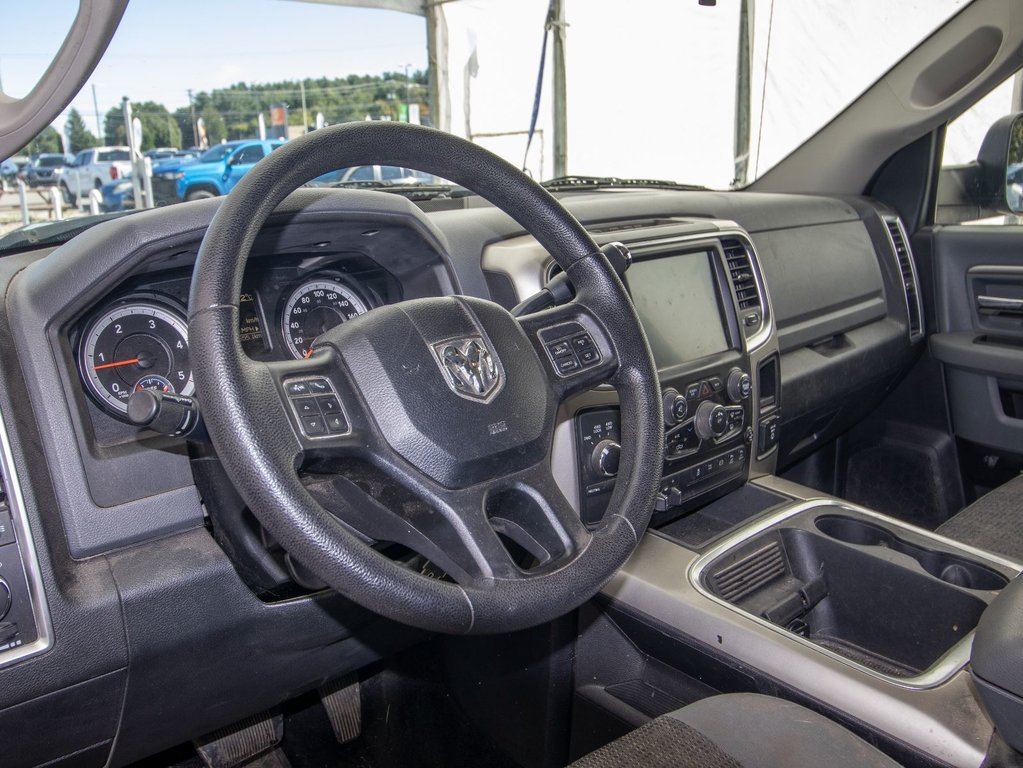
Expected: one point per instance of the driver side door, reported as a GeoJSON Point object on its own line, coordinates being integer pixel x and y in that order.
{"type": "Point", "coordinates": [240, 163]}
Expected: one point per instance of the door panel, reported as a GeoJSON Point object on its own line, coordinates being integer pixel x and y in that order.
{"type": "Point", "coordinates": [978, 275]}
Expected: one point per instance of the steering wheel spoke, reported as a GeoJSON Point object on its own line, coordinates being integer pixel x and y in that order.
{"type": "Point", "coordinates": [574, 346]}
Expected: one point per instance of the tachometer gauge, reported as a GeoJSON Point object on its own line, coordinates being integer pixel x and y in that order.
{"type": "Point", "coordinates": [314, 307]}
{"type": "Point", "coordinates": [137, 344]}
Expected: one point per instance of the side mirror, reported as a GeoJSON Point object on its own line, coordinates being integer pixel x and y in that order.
{"type": "Point", "coordinates": [999, 184]}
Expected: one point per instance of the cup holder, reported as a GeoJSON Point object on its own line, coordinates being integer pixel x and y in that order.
{"type": "Point", "coordinates": [950, 568]}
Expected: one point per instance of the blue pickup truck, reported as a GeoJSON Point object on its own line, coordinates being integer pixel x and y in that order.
{"type": "Point", "coordinates": [214, 173]}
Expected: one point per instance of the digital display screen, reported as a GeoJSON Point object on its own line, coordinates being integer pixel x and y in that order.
{"type": "Point", "coordinates": [250, 327]}
{"type": "Point", "coordinates": [676, 298]}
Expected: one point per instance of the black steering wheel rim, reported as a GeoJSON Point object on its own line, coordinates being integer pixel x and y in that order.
{"type": "Point", "coordinates": [236, 399]}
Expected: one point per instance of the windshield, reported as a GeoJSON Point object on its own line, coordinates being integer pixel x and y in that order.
{"type": "Point", "coordinates": [702, 93]}
{"type": "Point", "coordinates": [51, 162]}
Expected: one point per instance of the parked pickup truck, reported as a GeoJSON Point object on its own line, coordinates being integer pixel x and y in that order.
{"type": "Point", "coordinates": [218, 177]}
{"type": "Point", "coordinates": [92, 168]}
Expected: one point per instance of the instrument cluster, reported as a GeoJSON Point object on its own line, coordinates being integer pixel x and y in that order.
{"type": "Point", "coordinates": [138, 338]}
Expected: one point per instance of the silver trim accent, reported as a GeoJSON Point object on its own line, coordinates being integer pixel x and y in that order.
{"type": "Point", "coordinates": [29, 559]}
{"type": "Point", "coordinates": [887, 221]}
{"type": "Point", "coordinates": [940, 672]}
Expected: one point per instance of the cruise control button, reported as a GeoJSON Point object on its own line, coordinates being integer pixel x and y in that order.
{"type": "Point", "coordinates": [328, 404]}
{"type": "Point", "coordinates": [589, 356]}
{"type": "Point", "coordinates": [566, 364]}
{"type": "Point", "coordinates": [559, 348]}
{"type": "Point", "coordinates": [336, 423]}
{"type": "Point", "coordinates": [582, 342]}
{"type": "Point", "coordinates": [297, 388]}
{"type": "Point", "coordinates": [313, 425]}
{"type": "Point", "coordinates": [319, 386]}
{"type": "Point", "coordinates": [306, 406]}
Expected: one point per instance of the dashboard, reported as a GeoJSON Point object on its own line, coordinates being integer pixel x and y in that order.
{"type": "Point", "coordinates": [145, 559]}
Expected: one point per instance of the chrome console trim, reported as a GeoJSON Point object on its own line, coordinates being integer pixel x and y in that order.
{"type": "Point", "coordinates": [30, 562]}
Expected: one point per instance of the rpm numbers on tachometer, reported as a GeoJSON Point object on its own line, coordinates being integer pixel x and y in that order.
{"type": "Point", "coordinates": [315, 307]}
{"type": "Point", "coordinates": [135, 345]}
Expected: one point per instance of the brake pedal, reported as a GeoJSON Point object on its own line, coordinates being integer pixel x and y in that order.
{"type": "Point", "coordinates": [343, 702]}
{"type": "Point", "coordinates": [241, 743]}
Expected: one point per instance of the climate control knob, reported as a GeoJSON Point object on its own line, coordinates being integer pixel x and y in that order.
{"type": "Point", "coordinates": [605, 457]}
{"type": "Point", "coordinates": [675, 407]}
{"type": "Point", "coordinates": [5, 598]}
{"type": "Point", "coordinates": [739, 385]}
{"type": "Point", "coordinates": [711, 420]}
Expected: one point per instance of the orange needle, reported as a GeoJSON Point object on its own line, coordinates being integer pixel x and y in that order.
{"type": "Point", "coordinates": [308, 354]}
{"type": "Point", "coordinates": [115, 365]}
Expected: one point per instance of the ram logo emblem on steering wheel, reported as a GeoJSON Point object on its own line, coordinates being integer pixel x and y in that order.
{"type": "Point", "coordinates": [470, 368]}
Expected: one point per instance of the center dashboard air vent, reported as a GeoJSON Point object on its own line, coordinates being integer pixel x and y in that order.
{"type": "Point", "coordinates": [744, 281]}
{"type": "Point", "coordinates": [910, 283]}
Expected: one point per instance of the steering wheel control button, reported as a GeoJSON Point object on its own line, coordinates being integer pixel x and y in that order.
{"type": "Point", "coordinates": [5, 598]}
{"type": "Point", "coordinates": [336, 423]}
{"type": "Point", "coordinates": [320, 386]}
{"type": "Point", "coordinates": [328, 404]}
{"type": "Point", "coordinates": [317, 408]}
{"type": "Point", "coordinates": [306, 406]}
{"type": "Point", "coordinates": [571, 349]}
{"type": "Point", "coordinates": [313, 425]}
{"type": "Point", "coordinates": [560, 348]}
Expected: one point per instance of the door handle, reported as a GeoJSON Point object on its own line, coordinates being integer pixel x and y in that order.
{"type": "Point", "coordinates": [999, 305]}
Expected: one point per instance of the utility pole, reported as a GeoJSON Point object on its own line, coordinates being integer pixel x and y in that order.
{"type": "Point", "coordinates": [95, 107]}
{"type": "Point", "coordinates": [560, 91]}
{"type": "Point", "coordinates": [305, 113]}
{"type": "Point", "coordinates": [408, 95]}
{"type": "Point", "coordinates": [195, 128]}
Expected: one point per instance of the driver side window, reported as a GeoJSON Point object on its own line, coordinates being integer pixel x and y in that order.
{"type": "Point", "coordinates": [248, 155]}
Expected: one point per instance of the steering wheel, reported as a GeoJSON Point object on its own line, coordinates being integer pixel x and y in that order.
{"type": "Point", "coordinates": [443, 409]}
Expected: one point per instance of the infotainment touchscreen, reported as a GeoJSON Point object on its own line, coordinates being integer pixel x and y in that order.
{"type": "Point", "coordinates": [676, 298]}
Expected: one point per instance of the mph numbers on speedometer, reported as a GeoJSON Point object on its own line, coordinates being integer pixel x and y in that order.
{"type": "Point", "coordinates": [315, 307]}
{"type": "Point", "coordinates": [139, 344]}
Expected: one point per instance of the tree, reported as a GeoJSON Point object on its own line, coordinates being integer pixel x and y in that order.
{"type": "Point", "coordinates": [159, 128]}
{"type": "Point", "coordinates": [79, 137]}
{"type": "Point", "coordinates": [48, 141]}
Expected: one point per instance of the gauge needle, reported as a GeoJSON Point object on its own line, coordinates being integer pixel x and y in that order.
{"type": "Point", "coordinates": [115, 365]}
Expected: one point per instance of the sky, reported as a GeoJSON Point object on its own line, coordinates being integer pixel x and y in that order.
{"type": "Point", "coordinates": [162, 49]}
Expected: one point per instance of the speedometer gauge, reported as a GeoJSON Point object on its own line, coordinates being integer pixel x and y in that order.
{"type": "Point", "coordinates": [138, 344]}
{"type": "Point", "coordinates": [315, 307]}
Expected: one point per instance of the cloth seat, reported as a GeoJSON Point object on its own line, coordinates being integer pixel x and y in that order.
{"type": "Point", "coordinates": [739, 730]}
{"type": "Point", "coordinates": [994, 522]}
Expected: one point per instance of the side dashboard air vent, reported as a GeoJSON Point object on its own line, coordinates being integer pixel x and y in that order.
{"type": "Point", "coordinates": [749, 574]}
{"type": "Point", "coordinates": [910, 282]}
{"type": "Point", "coordinates": [740, 272]}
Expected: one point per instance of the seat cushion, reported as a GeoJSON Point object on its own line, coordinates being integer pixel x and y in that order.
{"type": "Point", "coordinates": [739, 729]}
{"type": "Point", "coordinates": [661, 743]}
{"type": "Point", "coordinates": [994, 522]}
